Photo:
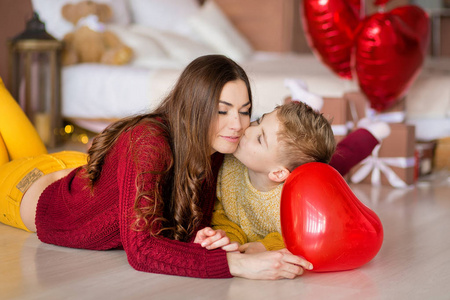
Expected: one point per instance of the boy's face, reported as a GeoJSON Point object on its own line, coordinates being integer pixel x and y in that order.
{"type": "Point", "coordinates": [258, 148]}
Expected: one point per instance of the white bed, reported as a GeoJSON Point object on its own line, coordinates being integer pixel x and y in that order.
{"type": "Point", "coordinates": [94, 94]}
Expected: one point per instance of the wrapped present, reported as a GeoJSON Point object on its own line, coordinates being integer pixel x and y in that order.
{"type": "Point", "coordinates": [392, 162]}
{"type": "Point", "coordinates": [442, 154]}
{"type": "Point", "coordinates": [336, 111]}
{"type": "Point", "coordinates": [359, 107]}
{"type": "Point", "coordinates": [425, 155]}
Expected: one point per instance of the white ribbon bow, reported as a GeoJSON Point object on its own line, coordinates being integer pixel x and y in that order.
{"type": "Point", "coordinates": [389, 117]}
{"type": "Point", "coordinates": [378, 165]}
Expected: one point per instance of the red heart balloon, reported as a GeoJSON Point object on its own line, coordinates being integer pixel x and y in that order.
{"type": "Point", "coordinates": [329, 27]}
{"type": "Point", "coordinates": [324, 222]}
{"type": "Point", "coordinates": [389, 50]}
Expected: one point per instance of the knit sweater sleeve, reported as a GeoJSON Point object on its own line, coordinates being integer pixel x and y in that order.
{"type": "Point", "coordinates": [273, 241]}
{"type": "Point", "coordinates": [153, 253]}
{"type": "Point", "coordinates": [221, 221]}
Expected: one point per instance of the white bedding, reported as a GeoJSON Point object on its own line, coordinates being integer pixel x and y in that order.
{"type": "Point", "coordinates": [100, 92]}
{"type": "Point", "coordinates": [95, 92]}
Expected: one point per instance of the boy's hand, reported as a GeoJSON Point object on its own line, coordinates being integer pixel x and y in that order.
{"type": "Point", "coordinates": [253, 247]}
{"type": "Point", "coordinates": [212, 239]}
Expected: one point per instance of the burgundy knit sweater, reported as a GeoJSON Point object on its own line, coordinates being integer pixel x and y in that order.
{"type": "Point", "coordinates": [69, 215]}
{"type": "Point", "coordinates": [350, 151]}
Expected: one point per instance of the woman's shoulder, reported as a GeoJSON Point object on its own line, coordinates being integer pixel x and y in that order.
{"type": "Point", "coordinates": [150, 132]}
{"type": "Point", "coordinates": [146, 136]}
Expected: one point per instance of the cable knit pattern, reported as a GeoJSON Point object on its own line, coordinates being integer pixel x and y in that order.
{"type": "Point", "coordinates": [68, 215]}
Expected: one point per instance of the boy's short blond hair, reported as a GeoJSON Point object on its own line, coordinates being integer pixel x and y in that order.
{"type": "Point", "coordinates": [305, 135]}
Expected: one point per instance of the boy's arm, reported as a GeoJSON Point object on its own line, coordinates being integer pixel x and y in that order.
{"type": "Point", "coordinates": [273, 241]}
{"type": "Point", "coordinates": [355, 147]}
{"type": "Point", "coordinates": [221, 221]}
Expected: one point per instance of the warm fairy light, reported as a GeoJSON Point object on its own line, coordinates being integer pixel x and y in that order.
{"type": "Point", "coordinates": [69, 129]}
{"type": "Point", "coordinates": [83, 138]}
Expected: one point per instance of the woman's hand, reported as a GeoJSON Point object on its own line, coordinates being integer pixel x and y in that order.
{"type": "Point", "coordinates": [252, 247]}
{"type": "Point", "coordinates": [212, 239]}
{"type": "Point", "coordinates": [267, 265]}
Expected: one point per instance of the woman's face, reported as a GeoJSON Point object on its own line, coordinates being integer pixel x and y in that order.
{"type": "Point", "coordinates": [232, 119]}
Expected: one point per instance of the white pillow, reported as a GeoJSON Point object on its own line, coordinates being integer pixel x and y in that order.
{"type": "Point", "coordinates": [215, 30]}
{"type": "Point", "coordinates": [178, 47]}
{"type": "Point", "coordinates": [167, 15]}
{"type": "Point", "coordinates": [147, 51]}
{"type": "Point", "coordinates": [50, 13]}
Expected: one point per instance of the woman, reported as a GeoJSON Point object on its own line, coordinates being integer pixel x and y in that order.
{"type": "Point", "coordinates": [149, 184]}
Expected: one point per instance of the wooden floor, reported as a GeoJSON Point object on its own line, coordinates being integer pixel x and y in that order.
{"type": "Point", "coordinates": [413, 263]}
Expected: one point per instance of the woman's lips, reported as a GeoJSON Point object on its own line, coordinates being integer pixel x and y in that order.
{"type": "Point", "coordinates": [232, 139]}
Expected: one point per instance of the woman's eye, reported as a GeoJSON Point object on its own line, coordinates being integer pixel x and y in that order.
{"type": "Point", "coordinates": [245, 113]}
{"type": "Point", "coordinates": [222, 112]}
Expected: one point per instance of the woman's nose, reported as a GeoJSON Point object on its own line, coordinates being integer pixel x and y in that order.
{"type": "Point", "coordinates": [236, 123]}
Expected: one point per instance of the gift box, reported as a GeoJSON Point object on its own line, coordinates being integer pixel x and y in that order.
{"type": "Point", "coordinates": [442, 154]}
{"type": "Point", "coordinates": [392, 162]}
{"type": "Point", "coordinates": [359, 107]}
{"type": "Point", "coordinates": [424, 155]}
{"type": "Point", "coordinates": [336, 111]}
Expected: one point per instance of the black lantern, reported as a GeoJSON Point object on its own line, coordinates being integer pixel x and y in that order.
{"type": "Point", "coordinates": [35, 70]}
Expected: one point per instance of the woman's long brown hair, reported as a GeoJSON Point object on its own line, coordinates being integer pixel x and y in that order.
{"type": "Point", "coordinates": [186, 116]}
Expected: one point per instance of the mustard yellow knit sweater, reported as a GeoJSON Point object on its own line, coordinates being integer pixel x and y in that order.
{"type": "Point", "coordinates": [243, 212]}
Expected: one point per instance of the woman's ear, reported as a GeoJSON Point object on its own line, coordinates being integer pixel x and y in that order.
{"type": "Point", "coordinates": [279, 175]}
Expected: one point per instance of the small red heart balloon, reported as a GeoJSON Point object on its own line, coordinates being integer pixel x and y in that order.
{"type": "Point", "coordinates": [389, 50]}
{"type": "Point", "coordinates": [324, 222]}
{"type": "Point", "coordinates": [329, 26]}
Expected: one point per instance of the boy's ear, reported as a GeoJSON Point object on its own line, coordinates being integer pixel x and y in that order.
{"type": "Point", "coordinates": [279, 175]}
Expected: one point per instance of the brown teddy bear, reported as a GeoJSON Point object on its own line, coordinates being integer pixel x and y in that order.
{"type": "Point", "coordinates": [90, 42]}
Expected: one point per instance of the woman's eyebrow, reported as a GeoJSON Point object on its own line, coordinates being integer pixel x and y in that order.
{"type": "Point", "coordinates": [246, 104]}
{"type": "Point", "coordinates": [226, 103]}
{"type": "Point", "coordinates": [231, 105]}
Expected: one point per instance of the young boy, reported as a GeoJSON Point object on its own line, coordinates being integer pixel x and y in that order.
{"type": "Point", "coordinates": [250, 181]}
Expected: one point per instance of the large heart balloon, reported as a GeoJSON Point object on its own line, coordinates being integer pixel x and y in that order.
{"type": "Point", "coordinates": [389, 51]}
{"type": "Point", "coordinates": [323, 221]}
{"type": "Point", "coordinates": [329, 26]}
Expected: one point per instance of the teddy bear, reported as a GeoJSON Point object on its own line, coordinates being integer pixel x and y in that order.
{"type": "Point", "coordinates": [89, 41]}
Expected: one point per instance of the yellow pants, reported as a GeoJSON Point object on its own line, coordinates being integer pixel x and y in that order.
{"type": "Point", "coordinates": [23, 158]}
{"type": "Point", "coordinates": [18, 175]}
{"type": "Point", "coordinates": [20, 138]}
